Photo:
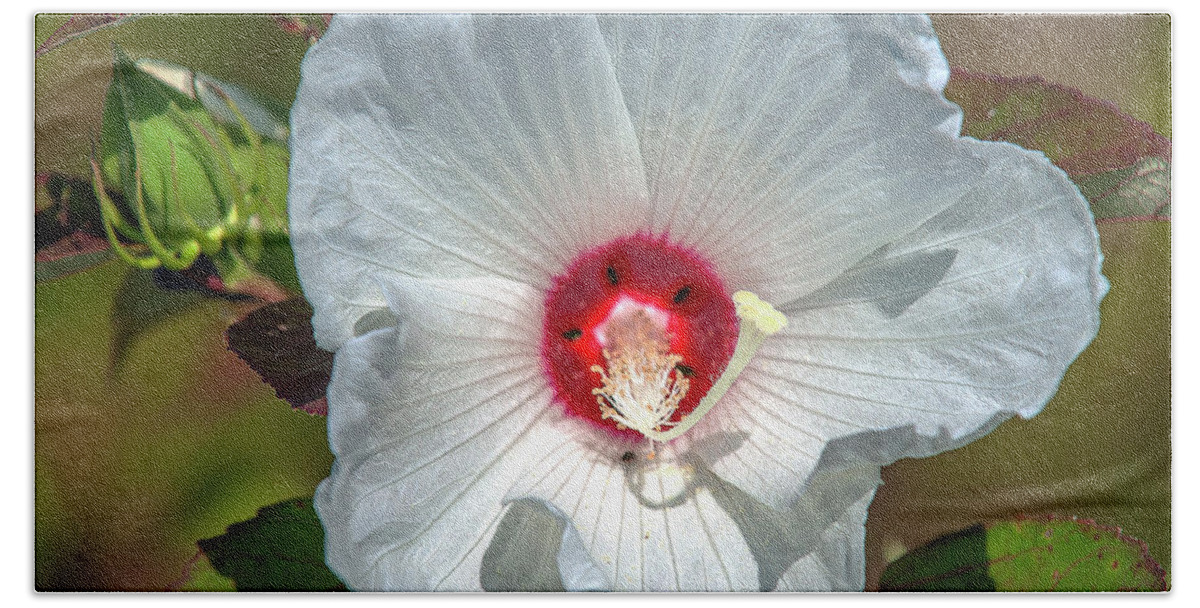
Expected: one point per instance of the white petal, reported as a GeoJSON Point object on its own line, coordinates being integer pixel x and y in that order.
{"type": "Point", "coordinates": [787, 147]}
{"type": "Point", "coordinates": [671, 524]}
{"type": "Point", "coordinates": [914, 47]}
{"type": "Point", "coordinates": [576, 565]}
{"type": "Point", "coordinates": [451, 146]}
{"type": "Point", "coordinates": [646, 525]}
{"type": "Point", "coordinates": [838, 563]}
{"type": "Point", "coordinates": [431, 423]}
{"type": "Point", "coordinates": [999, 294]}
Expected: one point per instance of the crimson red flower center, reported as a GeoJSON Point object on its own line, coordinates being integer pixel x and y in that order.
{"type": "Point", "coordinates": [678, 291]}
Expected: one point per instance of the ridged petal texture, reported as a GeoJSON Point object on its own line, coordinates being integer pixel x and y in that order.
{"type": "Point", "coordinates": [446, 167]}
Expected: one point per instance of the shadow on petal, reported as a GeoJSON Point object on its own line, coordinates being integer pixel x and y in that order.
{"type": "Point", "coordinates": [375, 319]}
{"type": "Point", "coordinates": [534, 550]}
{"type": "Point", "coordinates": [891, 284]}
{"type": "Point", "coordinates": [523, 553]}
{"type": "Point", "coordinates": [777, 538]}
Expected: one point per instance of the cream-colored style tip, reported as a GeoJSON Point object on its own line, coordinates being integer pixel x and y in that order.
{"type": "Point", "coordinates": [750, 307]}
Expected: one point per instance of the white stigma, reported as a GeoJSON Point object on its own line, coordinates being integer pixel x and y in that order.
{"type": "Point", "coordinates": [642, 387]}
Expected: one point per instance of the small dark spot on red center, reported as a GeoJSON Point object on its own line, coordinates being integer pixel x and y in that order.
{"type": "Point", "coordinates": [682, 295]}
{"type": "Point", "coordinates": [650, 271]}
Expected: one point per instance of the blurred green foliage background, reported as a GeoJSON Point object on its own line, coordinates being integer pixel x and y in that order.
{"type": "Point", "coordinates": [150, 434]}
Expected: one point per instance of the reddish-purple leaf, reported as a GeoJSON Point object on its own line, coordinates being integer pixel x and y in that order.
{"type": "Point", "coordinates": [307, 26]}
{"type": "Point", "coordinates": [1082, 135]}
{"type": "Point", "coordinates": [74, 243]}
{"type": "Point", "coordinates": [78, 26]}
{"type": "Point", "coordinates": [276, 341]}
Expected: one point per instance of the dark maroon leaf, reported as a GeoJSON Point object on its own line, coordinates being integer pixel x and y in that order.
{"type": "Point", "coordinates": [202, 276]}
{"type": "Point", "coordinates": [72, 243]}
{"type": "Point", "coordinates": [277, 342]}
{"type": "Point", "coordinates": [71, 208]}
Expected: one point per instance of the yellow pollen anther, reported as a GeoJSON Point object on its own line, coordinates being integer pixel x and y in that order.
{"type": "Point", "coordinates": [641, 389]}
{"type": "Point", "coordinates": [758, 320]}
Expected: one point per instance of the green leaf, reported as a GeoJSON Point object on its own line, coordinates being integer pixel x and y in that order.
{"type": "Point", "coordinates": [1140, 192]}
{"type": "Point", "coordinates": [199, 575]}
{"type": "Point", "coordinates": [954, 562]}
{"type": "Point", "coordinates": [1030, 554]}
{"type": "Point", "coordinates": [67, 232]}
{"type": "Point", "coordinates": [138, 306]}
{"type": "Point", "coordinates": [281, 549]}
{"type": "Point", "coordinates": [1082, 135]}
{"type": "Point", "coordinates": [61, 266]}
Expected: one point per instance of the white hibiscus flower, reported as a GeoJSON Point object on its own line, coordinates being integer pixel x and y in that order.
{"type": "Point", "coordinates": [523, 236]}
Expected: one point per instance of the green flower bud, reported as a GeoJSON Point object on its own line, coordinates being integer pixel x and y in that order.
{"type": "Point", "coordinates": [202, 167]}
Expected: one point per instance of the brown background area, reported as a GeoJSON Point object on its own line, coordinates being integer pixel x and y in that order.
{"type": "Point", "coordinates": [1122, 58]}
